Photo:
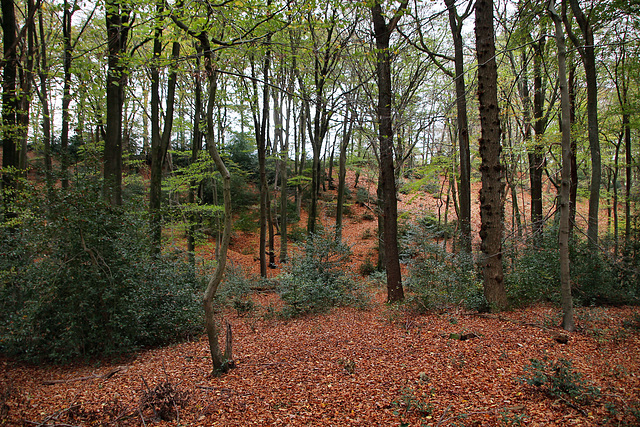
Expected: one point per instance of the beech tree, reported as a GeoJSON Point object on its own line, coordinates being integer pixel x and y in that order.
{"type": "Point", "coordinates": [563, 238]}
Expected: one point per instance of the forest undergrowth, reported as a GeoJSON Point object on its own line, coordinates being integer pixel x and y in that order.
{"type": "Point", "coordinates": [432, 360]}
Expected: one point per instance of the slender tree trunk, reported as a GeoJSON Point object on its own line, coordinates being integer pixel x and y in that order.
{"type": "Point", "coordinates": [573, 189]}
{"type": "Point", "coordinates": [491, 193]}
{"type": "Point", "coordinates": [303, 157]}
{"type": "Point", "coordinates": [66, 92]}
{"type": "Point", "coordinates": [260, 119]}
{"type": "Point", "coordinates": [382, 34]}
{"type": "Point", "coordinates": [616, 171]}
{"type": "Point", "coordinates": [536, 154]}
{"type": "Point", "coordinates": [196, 147]}
{"type": "Point", "coordinates": [221, 362]}
{"type": "Point", "coordinates": [342, 171]}
{"type": "Point", "coordinates": [160, 141]}
{"type": "Point", "coordinates": [284, 183]}
{"type": "Point", "coordinates": [43, 94]}
{"type": "Point", "coordinates": [587, 53]}
{"type": "Point", "coordinates": [26, 87]}
{"type": "Point", "coordinates": [464, 187]}
{"type": "Point", "coordinates": [629, 177]}
{"type": "Point", "coordinates": [563, 238]}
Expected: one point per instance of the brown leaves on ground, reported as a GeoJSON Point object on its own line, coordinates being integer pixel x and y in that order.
{"type": "Point", "coordinates": [381, 366]}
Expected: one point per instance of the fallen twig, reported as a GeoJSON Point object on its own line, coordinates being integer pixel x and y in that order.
{"type": "Point", "coordinates": [88, 377]}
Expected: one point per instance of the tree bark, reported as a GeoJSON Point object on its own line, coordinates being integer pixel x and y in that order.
{"type": "Point", "coordinates": [10, 104]}
{"type": "Point", "coordinates": [563, 238]}
{"type": "Point", "coordinates": [118, 25]}
{"type": "Point", "coordinates": [260, 120]}
{"type": "Point", "coordinates": [573, 188]}
{"type": "Point", "coordinates": [160, 141]}
{"type": "Point", "coordinates": [342, 169]}
{"type": "Point", "coordinates": [464, 187]}
{"type": "Point", "coordinates": [196, 147]}
{"type": "Point", "coordinates": [66, 92]}
{"type": "Point", "coordinates": [382, 34]}
{"type": "Point", "coordinates": [586, 47]}
{"type": "Point", "coordinates": [491, 193]}
{"type": "Point", "coordinates": [536, 154]}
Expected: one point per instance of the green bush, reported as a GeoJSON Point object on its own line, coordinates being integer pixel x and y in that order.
{"type": "Point", "coordinates": [235, 291]}
{"type": "Point", "coordinates": [363, 197]}
{"type": "Point", "coordinates": [599, 279]}
{"type": "Point", "coordinates": [558, 379]}
{"type": "Point", "coordinates": [318, 279]}
{"type": "Point", "coordinates": [80, 281]}
{"type": "Point", "coordinates": [533, 273]}
{"type": "Point", "coordinates": [437, 278]}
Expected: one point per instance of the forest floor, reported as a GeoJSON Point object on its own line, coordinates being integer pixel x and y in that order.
{"type": "Point", "coordinates": [378, 366]}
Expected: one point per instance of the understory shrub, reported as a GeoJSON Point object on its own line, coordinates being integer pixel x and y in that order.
{"type": "Point", "coordinates": [319, 278]}
{"type": "Point", "coordinates": [558, 379]}
{"type": "Point", "coordinates": [437, 278]}
{"type": "Point", "coordinates": [79, 279]}
{"type": "Point", "coordinates": [235, 290]}
{"type": "Point", "coordinates": [532, 273]}
{"type": "Point", "coordinates": [600, 279]}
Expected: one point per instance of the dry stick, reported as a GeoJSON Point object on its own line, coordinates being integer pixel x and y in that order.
{"type": "Point", "coordinates": [142, 417]}
{"type": "Point", "coordinates": [50, 425]}
{"type": "Point", "coordinates": [89, 377]}
{"type": "Point", "coordinates": [55, 415]}
{"type": "Point", "coordinates": [441, 420]}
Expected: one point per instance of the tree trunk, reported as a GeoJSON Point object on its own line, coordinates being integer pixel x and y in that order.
{"type": "Point", "coordinates": [573, 189]}
{"type": "Point", "coordinates": [536, 154]}
{"type": "Point", "coordinates": [629, 177]}
{"type": "Point", "coordinates": [464, 187]}
{"type": "Point", "coordinates": [43, 94]}
{"type": "Point", "coordinates": [221, 362]}
{"type": "Point", "coordinates": [196, 147]}
{"type": "Point", "coordinates": [26, 88]}
{"type": "Point", "coordinates": [159, 141]}
{"type": "Point", "coordinates": [10, 104]}
{"type": "Point", "coordinates": [66, 92]}
{"type": "Point", "coordinates": [382, 34]}
{"type": "Point", "coordinates": [491, 193]}
{"type": "Point", "coordinates": [117, 18]}
{"type": "Point", "coordinates": [587, 53]}
{"type": "Point", "coordinates": [342, 169]}
{"type": "Point", "coordinates": [284, 182]}
{"type": "Point", "coordinates": [563, 238]}
{"type": "Point", "coordinates": [261, 128]}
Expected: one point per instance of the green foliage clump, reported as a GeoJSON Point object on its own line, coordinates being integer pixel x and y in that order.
{"type": "Point", "coordinates": [558, 379]}
{"type": "Point", "coordinates": [78, 279]}
{"type": "Point", "coordinates": [599, 279]}
{"type": "Point", "coordinates": [235, 291]}
{"type": "Point", "coordinates": [363, 197]}
{"type": "Point", "coordinates": [438, 278]}
{"type": "Point", "coordinates": [319, 279]}
{"type": "Point", "coordinates": [533, 273]}
{"type": "Point", "coordinates": [366, 268]}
